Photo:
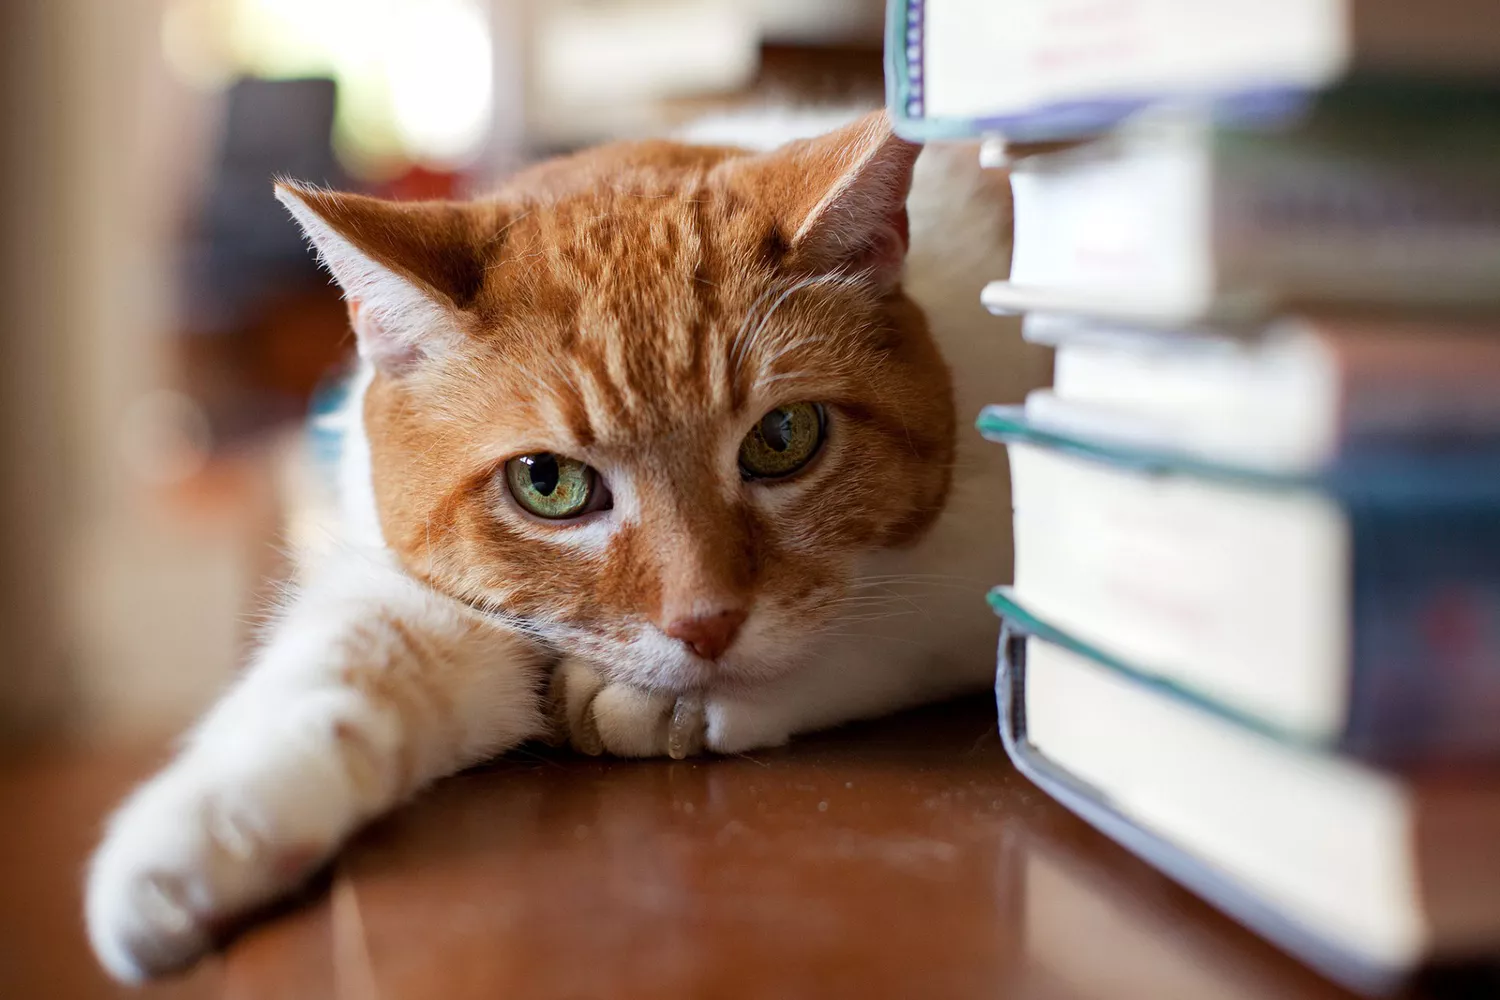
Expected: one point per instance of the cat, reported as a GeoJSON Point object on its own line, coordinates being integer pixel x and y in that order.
{"type": "Point", "coordinates": [664, 448]}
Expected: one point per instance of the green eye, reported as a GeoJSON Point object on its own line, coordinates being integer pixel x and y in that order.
{"type": "Point", "coordinates": [782, 441]}
{"type": "Point", "coordinates": [555, 487]}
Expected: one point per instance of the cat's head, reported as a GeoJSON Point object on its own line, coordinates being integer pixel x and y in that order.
{"type": "Point", "coordinates": [651, 402]}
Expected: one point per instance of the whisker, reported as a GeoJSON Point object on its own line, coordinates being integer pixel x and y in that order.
{"type": "Point", "coordinates": [772, 379]}
{"type": "Point", "coordinates": [742, 344]}
{"type": "Point", "coordinates": [788, 348]}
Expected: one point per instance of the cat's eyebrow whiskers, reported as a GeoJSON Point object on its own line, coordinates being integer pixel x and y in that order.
{"type": "Point", "coordinates": [561, 371]}
{"type": "Point", "coordinates": [742, 344]}
{"type": "Point", "coordinates": [783, 376]}
{"type": "Point", "coordinates": [736, 345]}
{"type": "Point", "coordinates": [781, 352]}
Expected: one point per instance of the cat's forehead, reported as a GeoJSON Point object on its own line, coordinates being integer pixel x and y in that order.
{"type": "Point", "coordinates": [630, 246]}
{"type": "Point", "coordinates": [639, 312]}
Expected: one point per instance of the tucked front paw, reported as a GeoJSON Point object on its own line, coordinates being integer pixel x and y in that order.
{"type": "Point", "coordinates": [596, 716]}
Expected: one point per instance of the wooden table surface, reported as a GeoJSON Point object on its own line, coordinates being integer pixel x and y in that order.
{"type": "Point", "coordinates": [903, 858]}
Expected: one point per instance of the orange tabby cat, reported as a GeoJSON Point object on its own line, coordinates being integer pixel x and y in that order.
{"type": "Point", "coordinates": [662, 448]}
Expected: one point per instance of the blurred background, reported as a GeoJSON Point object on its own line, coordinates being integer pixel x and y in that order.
{"type": "Point", "coordinates": [164, 334]}
{"type": "Point", "coordinates": [163, 329]}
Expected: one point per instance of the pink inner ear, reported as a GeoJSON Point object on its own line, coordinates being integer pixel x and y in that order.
{"type": "Point", "coordinates": [379, 346]}
{"type": "Point", "coordinates": [862, 222]}
{"type": "Point", "coordinates": [884, 250]}
{"type": "Point", "coordinates": [879, 248]}
{"type": "Point", "coordinates": [891, 250]}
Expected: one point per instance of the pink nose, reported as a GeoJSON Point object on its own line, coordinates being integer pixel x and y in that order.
{"type": "Point", "coordinates": [708, 635]}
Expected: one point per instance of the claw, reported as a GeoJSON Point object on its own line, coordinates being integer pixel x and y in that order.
{"type": "Point", "coordinates": [556, 733]}
{"type": "Point", "coordinates": [686, 730]}
{"type": "Point", "coordinates": [233, 835]}
{"type": "Point", "coordinates": [586, 737]}
{"type": "Point", "coordinates": [167, 897]}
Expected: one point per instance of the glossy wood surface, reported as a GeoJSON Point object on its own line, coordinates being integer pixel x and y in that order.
{"type": "Point", "coordinates": [903, 858]}
{"type": "Point", "coordinates": [53, 800]}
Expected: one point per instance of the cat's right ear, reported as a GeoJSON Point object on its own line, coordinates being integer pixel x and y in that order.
{"type": "Point", "coordinates": [409, 270]}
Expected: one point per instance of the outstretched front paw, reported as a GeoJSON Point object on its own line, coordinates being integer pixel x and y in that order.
{"type": "Point", "coordinates": [598, 716]}
{"type": "Point", "coordinates": [191, 852]}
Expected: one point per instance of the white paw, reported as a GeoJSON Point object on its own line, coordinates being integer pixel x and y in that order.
{"type": "Point", "coordinates": [596, 716]}
{"type": "Point", "coordinates": [210, 839]}
{"type": "Point", "coordinates": [737, 725]}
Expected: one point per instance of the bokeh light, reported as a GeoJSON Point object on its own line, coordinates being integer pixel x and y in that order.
{"type": "Point", "coordinates": [414, 76]}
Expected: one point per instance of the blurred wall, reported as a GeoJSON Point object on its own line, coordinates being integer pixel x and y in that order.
{"type": "Point", "coordinates": [119, 613]}
{"type": "Point", "coordinates": [33, 680]}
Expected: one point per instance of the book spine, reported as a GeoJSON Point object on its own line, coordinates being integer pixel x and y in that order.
{"type": "Point", "coordinates": [904, 54]}
{"type": "Point", "coordinates": [1172, 226]}
{"type": "Point", "coordinates": [1426, 633]}
{"type": "Point", "coordinates": [1360, 972]}
{"type": "Point", "coordinates": [1338, 216]}
{"type": "Point", "coordinates": [1060, 56]}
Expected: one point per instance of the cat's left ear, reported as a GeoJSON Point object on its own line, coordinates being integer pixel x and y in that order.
{"type": "Point", "coordinates": [840, 199]}
{"type": "Point", "coordinates": [409, 270]}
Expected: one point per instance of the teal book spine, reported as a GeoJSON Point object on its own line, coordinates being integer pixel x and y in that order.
{"type": "Point", "coordinates": [1424, 612]}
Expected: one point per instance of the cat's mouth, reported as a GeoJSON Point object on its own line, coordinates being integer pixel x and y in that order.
{"type": "Point", "coordinates": [685, 673]}
{"type": "Point", "coordinates": [646, 657]}
{"type": "Point", "coordinates": [652, 660]}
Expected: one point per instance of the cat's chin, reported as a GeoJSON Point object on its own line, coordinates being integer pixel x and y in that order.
{"type": "Point", "coordinates": [666, 667]}
{"type": "Point", "coordinates": [730, 675]}
{"type": "Point", "coordinates": [690, 674]}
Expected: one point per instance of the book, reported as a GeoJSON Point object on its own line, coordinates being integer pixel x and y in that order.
{"type": "Point", "coordinates": [1035, 69]}
{"type": "Point", "coordinates": [1177, 220]}
{"type": "Point", "coordinates": [1363, 874]}
{"type": "Point", "coordinates": [1359, 609]}
{"type": "Point", "coordinates": [1291, 398]}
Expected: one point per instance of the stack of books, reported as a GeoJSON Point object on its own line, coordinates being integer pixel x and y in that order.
{"type": "Point", "coordinates": [1254, 631]}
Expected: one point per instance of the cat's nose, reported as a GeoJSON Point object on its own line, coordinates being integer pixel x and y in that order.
{"type": "Point", "coordinates": [708, 635]}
